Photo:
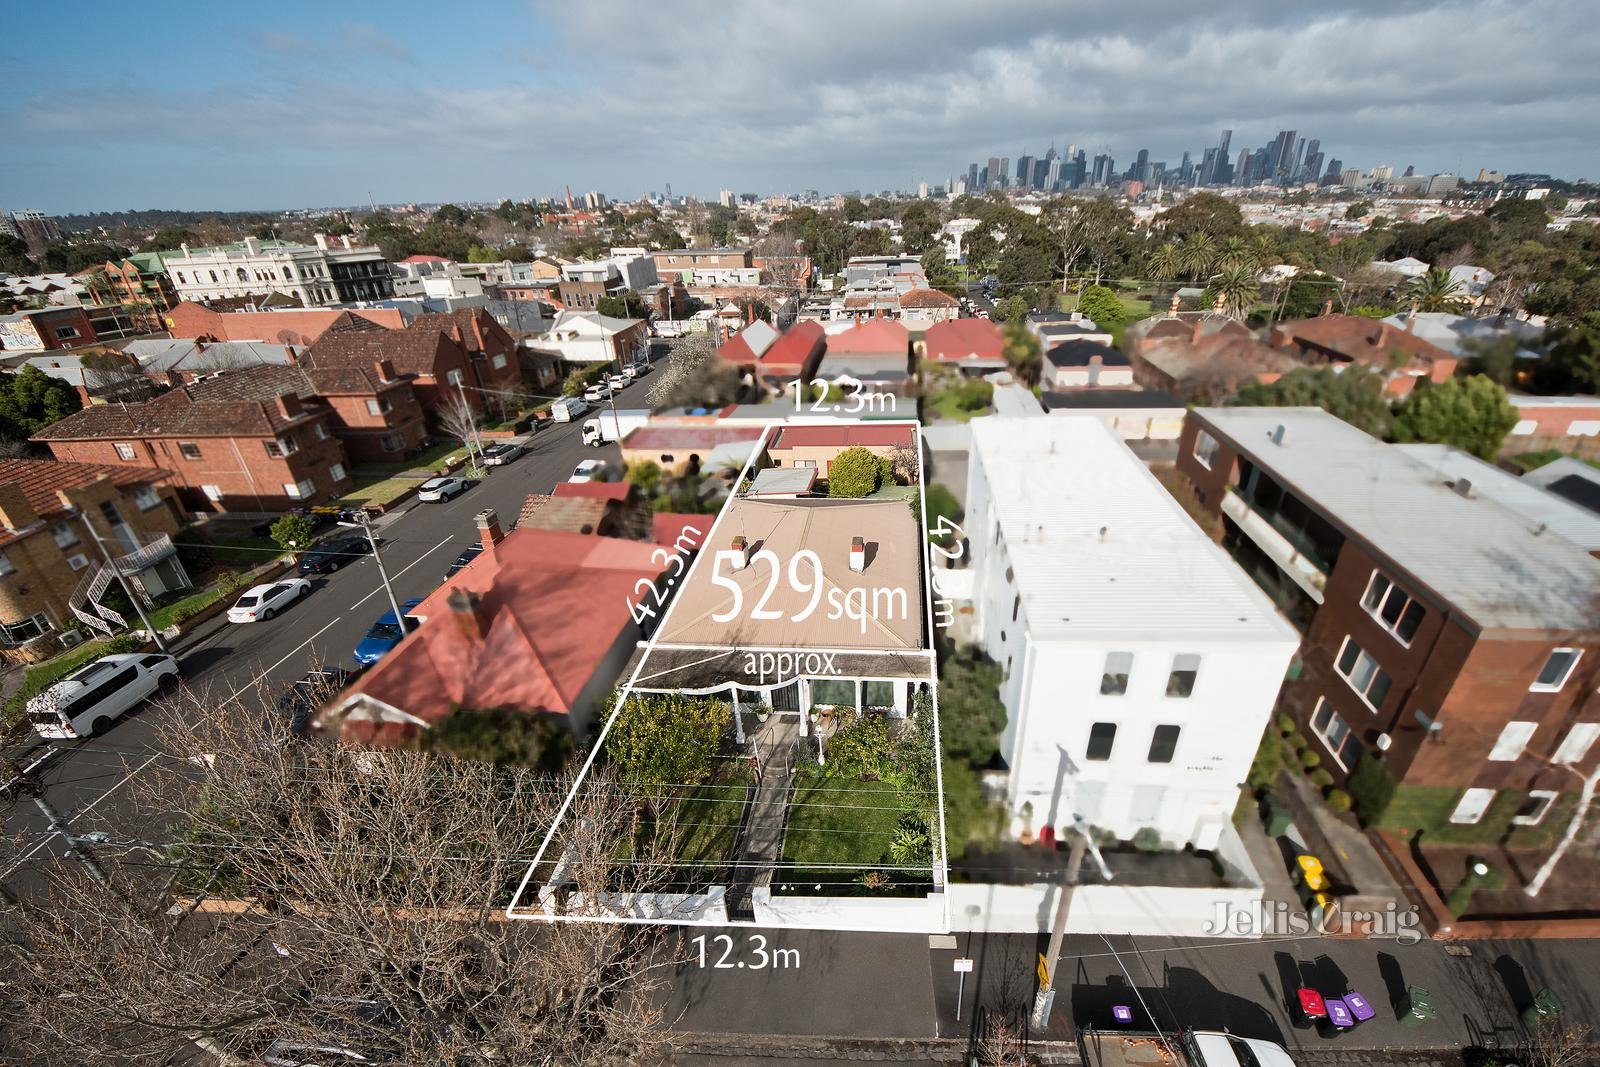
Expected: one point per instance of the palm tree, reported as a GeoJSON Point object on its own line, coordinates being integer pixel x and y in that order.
{"type": "Point", "coordinates": [1237, 287]}
{"type": "Point", "coordinates": [1436, 291]}
{"type": "Point", "coordinates": [1238, 251]}
{"type": "Point", "coordinates": [1165, 263]}
{"type": "Point", "coordinates": [1199, 254]}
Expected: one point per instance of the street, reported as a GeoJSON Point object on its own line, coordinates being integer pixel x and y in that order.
{"type": "Point", "coordinates": [87, 780]}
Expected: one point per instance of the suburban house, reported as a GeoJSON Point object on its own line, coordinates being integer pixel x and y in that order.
{"type": "Point", "coordinates": [291, 327]}
{"type": "Point", "coordinates": [777, 359]}
{"type": "Point", "coordinates": [1554, 421]}
{"type": "Point", "coordinates": [51, 569]}
{"type": "Point", "coordinates": [500, 635]}
{"type": "Point", "coordinates": [1398, 354]}
{"type": "Point", "coordinates": [373, 410]}
{"type": "Point", "coordinates": [1571, 479]}
{"type": "Point", "coordinates": [876, 352]}
{"type": "Point", "coordinates": [492, 349]}
{"type": "Point", "coordinates": [698, 268]}
{"type": "Point", "coordinates": [605, 509]}
{"type": "Point", "coordinates": [318, 275]}
{"type": "Point", "coordinates": [815, 446]}
{"type": "Point", "coordinates": [921, 308]}
{"type": "Point", "coordinates": [44, 329]}
{"type": "Point", "coordinates": [589, 337]}
{"type": "Point", "coordinates": [1086, 364]}
{"type": "Point", "coordinates": [433, 352]}
{"type": "Point", "coordinates": [1135, 414]}
{"type": "Point", "coordinates": [181, 360]}
{"type": "Point", "coordinates": [1456, 334]}
{"type": "Point", "coordinates": [676, 449]}
{"type": "Point", "coordinates": [1141, 664]}
{"type": "Point", "coordinates": [971, 345]}
{"type": "Point", "coordinates": [1210, 369]}
{"type": "Point", "coordinates": [1191, 326]}
{"type": "Point", "coordinates": [1448, 608]}
{"type": "Point", "coordinates": [1054, 327]}
{"type": "Point", "coordinates": [243, 442]}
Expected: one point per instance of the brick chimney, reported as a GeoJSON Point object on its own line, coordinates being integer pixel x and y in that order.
{"type": "Point", "coordinates": [1327, 307]}
{"type": "Point", "coordinates": [741, 549]}
{"type": "Point", "coordinates": [15, 511]}
{"type": "Point", "coordinates": [288, 405]}
{"type": "Point", "coordinates": [858, 554]}
{"type": "Point", "coordinates": [384, 368]}
{"type": "Point", "coordinates": [455, 333]}
{"type": "Point", "coordinates": [468, 614]}
{"type": "Point", "coordinates": [489, 534]}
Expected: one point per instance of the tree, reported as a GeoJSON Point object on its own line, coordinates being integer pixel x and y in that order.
{"type": "Point", "coordinates": [502, 737]}
{"type": "Point", "coordinates": [1202, 213]}
{"type": "Point", "coordinates": [1471, 413]}
{"type": "Point", "coordinates": [1093, 230]}
{"type": "Point", "coordinates": [695, 376]}
{"type": "Point", "coordinates": [1435, 291]}
{"type": "Point", "coordinates": [459, 419]}
{"type": "Point", "coordinates": [971, 715]}
{"type": "Point", "coordinates": [362, 878]}
{"type": "Point", "coordinates": [1022, 351]}
{"type": "Point", "coordinates": [1013, 309]}
{"type": "Point", "coordinates": [1573, 365]}
{"type": "Point", "coordinates": [1358, 210]}
{"type": "Point", "coordinates": [1355, 394]}
{"type": "Point", "coordinates": [1494, 357]}
{"type": "Point", "coordinates": [1103, 306]}
{"type": "Point", "coordinates": [855, 472]}
{"type": "Point", "coordinates": [170, 239]}
{"type": "Point", "coordinates": [1198, 253]}
{"type": "Point", "coordinates": [293, 532]}
{"type": "Point", "coordinates": [1236, 286]}
{"type": "Point", "coordinates": [1165, 263]}
{"type": "Point", "coordinates": [663, 740]}
{"type": "Point", "coordinates": [30, 400]}
{"type": "Point", "coordinates": [941, 504]}
{"type": "Point", "coordinates": [644, 473]}
{"type": "Point", "coordinates": [14, 255]}
{"type": "Point", "coordinates": [625, 305]}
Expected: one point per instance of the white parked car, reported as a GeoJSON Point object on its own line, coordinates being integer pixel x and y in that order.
{"type": "Point", "coordinates": [264, 601]}
{"type": "Point", "coordinates": [441, 488]}
{"type": "Point", "coordinates": [91, 699]}
{"type": "Point", "coordinates": [635, 371]}
{"type": "Point", "coordinates": [501, 454]}
{"type": "Point", "coordinates": [619, 382]}
{"type": "Point", "coordinates": [598, 392]}
{"type": "Point", "coordinates": [587, 470]}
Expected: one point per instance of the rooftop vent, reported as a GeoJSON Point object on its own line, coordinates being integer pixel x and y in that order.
{"type": "Point", "coordinates": [1463, 487]}
{"type": "Point", "coordinates": [1280, 434]}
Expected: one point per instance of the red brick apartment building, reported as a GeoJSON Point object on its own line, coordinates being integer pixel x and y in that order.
{"type": "Point", "coordinates": [1399, 354]}
{"type": "Point", "coordinates": [247, 441]}
{"type": "Point", "coordinates": [1451, 612]}
{"type": "Point", "coordinates": [298, 327]}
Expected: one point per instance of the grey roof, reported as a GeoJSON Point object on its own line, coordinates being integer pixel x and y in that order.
{"type": "Point", "coordinates": [186, 355]}
{"type": "Point", "coordinates": [783, 480]}
{"type": "Point", "coordinates": [1153, 399]}
{"type": "Point", "coordinates": [1524, 498]}
{"type": "Point", "coordinates": [1570, 478]}
{"type": "Point", "coordinates": [1500, 567]}
{"type": "Point", "coordinates": [1453, 333]}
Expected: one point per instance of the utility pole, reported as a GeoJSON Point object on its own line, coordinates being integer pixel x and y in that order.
{"type": "Point", "coordinates": [1046, 997]}
{"type": "Point", "coordinates": [123, 581]}
{"type": "Point", "coordinates": [471, 415]}
{"type": "Point", "coordinates": [365, 526]}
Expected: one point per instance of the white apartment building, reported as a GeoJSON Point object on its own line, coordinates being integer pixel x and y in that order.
{"type": "Point", "coordinates": [320, 275]}
{"type": "Point", "coordinates": [1141, 664]}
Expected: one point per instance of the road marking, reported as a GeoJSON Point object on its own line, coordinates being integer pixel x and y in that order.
{"type": "Point", "coordinates": [70, 819]}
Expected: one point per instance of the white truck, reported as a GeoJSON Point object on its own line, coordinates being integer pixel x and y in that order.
{"type": "Point", "coordinates": [568, 408]}
{"type": "Point", "coordinates": [608, 427]}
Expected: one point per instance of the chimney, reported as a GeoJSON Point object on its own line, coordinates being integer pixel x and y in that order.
{"type": "Point", "coordinates": [252, 245]}
{"type": "Point", "coordinates": [858, 554]}
{"type": "Point", "coordinates": [1463, 487]}
{"type": "Point", "coordinates": [288, 405]}
{"type": "Point", "coordinates": [345, 239]}
{"type": "Point", "coordinates": [185, 247]}
{"type": "Point", "coordinates": [468, 614]}
{"type": "Point", "coordinates": [455, 332]}
{"type": "Point", "coordinates": [1172, 312]}
{"type": "Point", "coordinates": [741, 550]}
{"type": "Point", "coordinates": [384, 369]}
{"type": "Point", "coordinates": [1280, 435]}
{"type": "Point", "coordinates": [489, 535]}
{"type": "Point", "coordinates": [1411, 318]}
{"type": "Point", "coordinates": [322, 241]}
{"type": "Point", "coordinates": [15, 511]}
{"type": "Point", "coordinates": [1327, 307]}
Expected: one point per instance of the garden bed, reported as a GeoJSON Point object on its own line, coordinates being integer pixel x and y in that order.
{"type": "Point", "coordinates": [837, 819]}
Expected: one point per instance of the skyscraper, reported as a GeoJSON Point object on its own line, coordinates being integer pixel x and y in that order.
{"type": "Point", "coordinates": [1052, 175]}
{"type": "Point", "coordinates": [1079, 169]}
{"type": "Point", "coordinates": [1005, 172]}
{"type": "Point", "coordinates": [1309, 172]}
{"type": "Point", "coordinates": [1222, 145]}
{"type": "Point", "coordinates": [1024, 171]}
{"type": "Point", "coordinates": [972, 177]}
{"type": "Point", "coordinates": [995, 175]}
{"type": "Point", "coordinates": [1103, 165]}
{"type": "Point", "coordinates": [1186, 170]}
{"type": "Point", "coordinates": [1041, 171]}
{"type": "Point", "coordinates": [1141, 167]}
{"type": "Point", "coordinates": [1335, 168]}
{"type": "Point", "coordinates": [1281, 153]}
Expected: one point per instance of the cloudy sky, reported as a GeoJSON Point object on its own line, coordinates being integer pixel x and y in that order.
{"type": "Point", "coordinates": [294, 104]}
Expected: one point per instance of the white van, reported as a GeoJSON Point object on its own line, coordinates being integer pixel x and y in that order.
{"type": "Point", "coordinates": [568, 408]}
{"type": "Point", "coordinates": [89, 700]}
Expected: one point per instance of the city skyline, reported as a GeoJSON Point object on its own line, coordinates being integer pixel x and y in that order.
{"type": "Point", "coordinates": [525, 101]}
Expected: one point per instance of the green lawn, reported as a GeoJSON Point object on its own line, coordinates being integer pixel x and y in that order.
{"type": "Point", "coordinates": [167, 614]}
{"type": "Point", "coordinates": [243, 550]}
{"type": "Point", "coordinates": [1426, 809]}
{"type": "Point", "coordinates": [945, 406]}
{"type": "Point", "coordinates": [828, 826]}
{"type": "Point", "coordinates": [706, 821]}
{"type": "Point", "coordinates": [1133, 309]}
{"type": "Point", "coordinates": [429, 459]}
{"type": "Point", "coordinates": [380, 491]}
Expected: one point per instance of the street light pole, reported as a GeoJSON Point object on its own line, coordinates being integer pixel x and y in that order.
{"type": "Point", "coordinates": [1046, 997]}
{"type": "Point", "coordinates": [122, 580]}
{"type": "Point", "coordinates": [365, 526]}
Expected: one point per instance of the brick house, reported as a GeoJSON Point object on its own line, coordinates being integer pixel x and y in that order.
{"type": "Point", "coordinates": [46, 551]}
{"type": "Point", "coordinates": [491, 346]}
{"type": "Point", "coordinates": [298, 327]}
{"type": "Point", "coordinates": [1401, 356]}
{"type": "Point", "coordinates": [1451, 634]}
{"type": "Point", "coordinates": [969, 344]}
{"type": "Point", "coordinates": [1211, 369]}
{"type": "Point", "coordinates": [245, 442]}
{"type": "Point", "coordinates": [140, 281]}
{"type": "Point", "coordinates": [372, 410]}
{"type": "Point", "coordinates": [45, 329]}
{"type": "Point", "coordinates": [816, 446]}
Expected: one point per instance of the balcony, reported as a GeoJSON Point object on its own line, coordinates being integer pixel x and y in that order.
{"type": "Point", "coordinates": [1287, 549]}
{"type": "Point", "coordinates": [159, 548]}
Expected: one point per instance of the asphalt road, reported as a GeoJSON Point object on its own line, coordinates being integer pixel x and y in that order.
{"type": "Point", "coordinates": [87, 780]}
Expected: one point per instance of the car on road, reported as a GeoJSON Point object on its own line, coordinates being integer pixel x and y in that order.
{"type": "Point", "coordinates": [468, 554]}
{"type": "Point", "coordinates": [441, 488]}
{"type": "Point", "coordinates": [501, 454]}
{"type": "Point", "coordinates": [386, 633]}
{"type": "Point", "coordinates": [587, 470]}
{"type": "Point", "coordinates": [598, 392]}
{"type": "Point", "coordinates": [618, 382]}
{"type": "Point", "coordinates": [89, 700]}
{"type": "Point", "coordinates": [290, 717]}
{"type": "Point", "coordinates": [329, 557]}
{"type": "Point", "coordinates": [635, 371]}
{"type": "Point", "coordinates": [261, 602]}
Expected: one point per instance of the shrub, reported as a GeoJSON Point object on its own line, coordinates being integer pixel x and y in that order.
{"type": "Point", "coordinates": [1371, 788]}
{"type": "Point", "coordinates": [1103, 306]}
{"type": "Point", "coordinates": [1148, 839]}
{"type": "Point", "coordinates": [1285, 724]}
{"type": "Point", "coordinates": [646, 474]}
{"type": "Point", "coordinates": [1320, 778]}
{"type": "Point", "coordinates": [1267, 764]}
{"type": "Point", "coordinates": [941, 503]}
{"type": "Point", "coordinates": [863, 747]}
{"type": "Point", "coordinates": [1339, 800]}
{"type": "Point", "coordinates": [912, 845]}
{"type": "Point", "coordinates": [855, 472]}
{"type": "Point", "coordinates": [1310, 760]}
{"type": "Point", "coordinates": [1297, 741]}
{"type": "Point", "coordinates": [292, 532]}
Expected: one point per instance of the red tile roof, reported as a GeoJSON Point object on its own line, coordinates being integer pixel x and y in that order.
{"type": "Point", "coordinates": [522, 649]}
{"type": "Point", "coordinates": [884, 337]}
{"type": "Point", "coordinates": [795, 347]}
{"type": "Point", "coordinates": [1358, 338]}
{"type": "Point", "coordinates": [958, 339]}
{"type": "Point", "coordinates": [677, 437]}
{"type": "Point", "coordinates": [866, 435]}
{"type": "Point", "coordinates": [40, 479]}
{"type": "Point", "coordinates": [667, 527]}
{"type": "Point", "coordinates": [594, 490]}
{"type": "Point", "coordinates": [281, 327]}
{"type": "Point", "coordinates": [928, 298]}
{"type": "Point", "coordinates": [241, 403]}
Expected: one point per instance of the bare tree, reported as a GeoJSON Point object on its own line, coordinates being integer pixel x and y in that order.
{"type": "Point", "coordinates": [459, 419]}
{"type": "Point", "coordinates": [1553, 1044]}
{"type": "Point", "coordinates": [113, 376]}
{"type": "Point", "coordinates": [695, 375]}
{"type": "Point", "coordinates": [364, 905]}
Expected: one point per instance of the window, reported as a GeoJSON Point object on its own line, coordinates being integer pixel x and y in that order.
{"type": "Point", "coordinates": [392, 443]}
{"type": "Point", "coordinates": [181, 279]}
{"type": "Point", "coordinates": [374, 408]}
{"type": "Point", "coordinates": [288, 444]}
{"type": "Point", "coordinates": [336, 472]}
{"type": "Point", "coordinates": [27, 629]}
{"type": "Point", "coordinates": [1016, 606]}
{"type": "Point", "coordinates": [299, 490]}
{"type": "Point", "coordinates": [1473, 803]}
{"type": "Point", "coordinates": [146, 497]}
{"type": "Point", "coordinates": [1185, 668]}
{"type": "Point", "coordinates": [1336, 734]}
{"type": "Point", "coordinates": [1513, 739]}
{"type": "Point", "coordinates": [878, 694]}
{"type": "Point", "coordinates": [188, 450]}
{"type": "Point", "coordinates": [213, 492]}
{"type": "Point", "coordinates": [1575, 746]}
{"type": "Point", "coordinates": [319, 431]}
{"type": "Point", "coordinates": [499, 361]}
{"type": "Point", "coordinates": [1535, 808]}
{"type": "Point", "coordinates": [64, 534]}
{"type": "Point", "coordinates": [126, 452]}
{"type": "Point", "coordinates": [6, 566]}
{"type": "Point", "coordinates": [1205, 449]}
{"type": "Point", "coordinates": [1556, 670]}
{"type": "Point", "coordinates": [273, 449]}
{"type": "Point", "coordinates": [64, 333]}
{"type": "Point", "coordinates": [1368, 679]}
{"type": "Point", "coordinates": [1102, 735]}
{"type": "Point", "coordinates": [1163, 743]}
{"type": "Point", "coordinates": [454, 377]}
{"type": "Point", "coordinates": [833, 693]}
{"type": "Point", "coordinates": [1114, 680]}
{"type": "Point", "coordinates": [1392, 607]}
{"type": "Point", "coordinates": [806, 464]}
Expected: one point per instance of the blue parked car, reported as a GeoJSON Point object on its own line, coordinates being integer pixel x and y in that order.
{"type": "Point", "coordinates": [385, 634]}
